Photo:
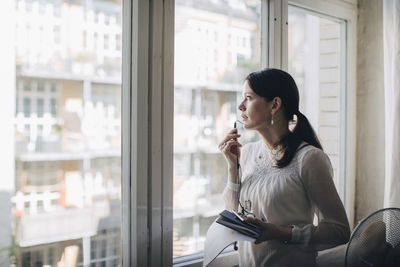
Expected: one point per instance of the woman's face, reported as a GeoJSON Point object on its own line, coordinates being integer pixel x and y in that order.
{"type": "Point", "coordinates": [256, 111]}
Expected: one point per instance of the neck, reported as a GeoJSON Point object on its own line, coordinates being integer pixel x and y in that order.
{"type": "Point", "coordinates": [273, 135]}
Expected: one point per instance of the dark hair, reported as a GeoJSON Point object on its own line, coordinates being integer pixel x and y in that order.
{"type": "Point", "coordinates": [270, 83]}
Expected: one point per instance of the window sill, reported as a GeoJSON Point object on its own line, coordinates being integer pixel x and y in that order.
{"type": "Point", "coordinates": [227, 259]}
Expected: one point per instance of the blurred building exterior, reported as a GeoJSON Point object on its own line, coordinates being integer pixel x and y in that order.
{"type": "Point", "coordinates": [67, 197]}
{"type": "Point", "coordinates": [217, 43]}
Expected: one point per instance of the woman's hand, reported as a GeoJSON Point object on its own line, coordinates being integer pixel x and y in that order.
{"type": "Point", "coordinates": [230, 148]}
{"type": "Point", "coordinates": [270, 231]}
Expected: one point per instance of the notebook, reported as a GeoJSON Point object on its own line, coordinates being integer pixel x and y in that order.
{"type": "Point", "coordinates": [232, 221]}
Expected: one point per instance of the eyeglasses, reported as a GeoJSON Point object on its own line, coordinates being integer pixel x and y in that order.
{"type": "Point", "coordinates": [243, 211]}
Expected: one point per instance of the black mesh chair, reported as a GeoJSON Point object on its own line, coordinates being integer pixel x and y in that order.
{"type": "Point", "coordinates": [375, 242]}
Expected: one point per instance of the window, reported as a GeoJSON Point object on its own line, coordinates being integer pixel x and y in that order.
{"type": "Point", "coordinates": [57, 10]}
{"type": "Point", "coordinates": [206, 94]}
{"type": "Point", "coordinates": [42, 8]}
{"type": "Point", "coordinates": [57, 34]}
{"type": "Point", "coordinates": [118, 42]}
{"type": "Point", "coordinates": [316, 59]}
{"type": "Point", "coordinates": [40, 86]}
{"type": "Point", "coordinates": [198, 82]}
{"type": "Point", "coordinates": [40, 107]}
{"type": "Point", "coordinates": [106, 42]}
{"type": "Point", "coordinates": [37, 96]}
{"type": "Point", "coordinates": [27, 107]}
{"type": "Point", "coordinates": [53, 107]}
{"type": "Point", "coordinates": [95, 40]}
{"type": "Point", "coordinates": [63, 160]}
{"type": "Point", "coordinates": [27, 86]}
{"type": "Point", "coordinates": [68, 160]}
{"type": "Point", "coordinates": [28, 6]}
{"type": "Point", "coordinates": [84, 39]}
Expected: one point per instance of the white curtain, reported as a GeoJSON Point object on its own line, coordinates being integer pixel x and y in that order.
{"type": "Point", "coordinates": [391, 39]}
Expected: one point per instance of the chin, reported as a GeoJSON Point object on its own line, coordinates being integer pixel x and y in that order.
{"type": "Point", "coordinates": [247, 127]}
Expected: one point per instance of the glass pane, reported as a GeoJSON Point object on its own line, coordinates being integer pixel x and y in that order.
{"type": "Point", "coordinates": [66, 200]}
{"type": "Point", "coordinates": [217, 43]}
{"type": "Point", "coordinates": [315, 61]}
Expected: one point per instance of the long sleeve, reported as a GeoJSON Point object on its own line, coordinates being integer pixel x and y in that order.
{"type": "Point", "coordinates": [333, 227]}
{"type": "Point", "coordinates": [231, 191]}
{"type": "Point", "coordinates": [231, 194]}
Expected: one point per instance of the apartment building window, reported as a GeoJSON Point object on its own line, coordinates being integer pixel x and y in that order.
{"type": "Point", "coordinates": [38, 96]}
{"type": "Point", "coordinates": [106, 19]}
{"type": "Point", "coordinates": [53, 87]}
{"type": "Point", "coordinates": [42, 8]}
{"type": "Point", "coordinates": [106, 42]}
{"type": "Point", "coordinates": [118, 42]}
{"type": "Point", "coordinates": [53, 106]}
{"type": "Point", "coordinates": [95, 40]}
{"type": "Point", "coordinates": [84, 39]}
{"type": "Point", "coordinates": [57, 34]}
{"type": "Point", "coordinates": [40, 86]}
{"type": "Point", "coordinates": [27, 107]}
{"type": "Point", "coordinates": [27, 86]}
{"type": "Point", "coordinates": [28, 6]}
{"type": "Point", "coordinates": [57, 9]}
{"type": "Point", "coordinates": [40, 107]}
{"type": "Point", "coordinates": [51, 255]}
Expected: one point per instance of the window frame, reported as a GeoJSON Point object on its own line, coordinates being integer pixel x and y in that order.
{"type": "Point", "coordinates": [148, 114]}
{"type": "Point", "coordinates": [147, 132]}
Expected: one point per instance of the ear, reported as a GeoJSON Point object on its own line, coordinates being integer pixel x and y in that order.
{"type": "Point", "coordinates": [276, 104]}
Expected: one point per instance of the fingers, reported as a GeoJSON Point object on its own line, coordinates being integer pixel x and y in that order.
{"type": "Point", "coordinates": [231, 147]}
{"type": "Point", "coordinates": [253, 221]}
{"type": "Point", "coordinates": [233, 131]}
{"type": "Point", "coordinates": [228, 145]}
{"type": "Point", "coordinates": [230, 136]}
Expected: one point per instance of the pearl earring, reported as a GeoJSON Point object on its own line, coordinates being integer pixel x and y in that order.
{"type": "Point", "coordinates": [272, 120]}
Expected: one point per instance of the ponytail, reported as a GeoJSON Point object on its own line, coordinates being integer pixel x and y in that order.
{"type": "Point", "coordinates": [303, 131]}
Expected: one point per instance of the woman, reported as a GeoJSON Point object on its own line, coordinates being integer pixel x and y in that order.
{"type": "Point", "coordinates": [285, 178]}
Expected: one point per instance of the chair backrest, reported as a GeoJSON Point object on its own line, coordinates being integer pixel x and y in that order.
{"type": "Point", "coordinates": [375, 242]}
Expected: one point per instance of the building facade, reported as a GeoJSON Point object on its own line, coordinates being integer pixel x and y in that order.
{"type": "Point", "coordinates": [67, 197]}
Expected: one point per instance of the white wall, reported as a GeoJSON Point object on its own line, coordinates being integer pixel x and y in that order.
{"type": "Point", "coordinates": [370, 168]}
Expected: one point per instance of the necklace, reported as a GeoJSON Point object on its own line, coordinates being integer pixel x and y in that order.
{"type": "Point", "coordinates": [276, 154]}
{"type": "Point", "coordinates": [277, 146]}
{"type": "Point", "coordinates": [273, 153]}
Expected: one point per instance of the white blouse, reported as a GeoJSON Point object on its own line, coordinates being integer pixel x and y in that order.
{"type": "Point", "coordinates": [289, 196]}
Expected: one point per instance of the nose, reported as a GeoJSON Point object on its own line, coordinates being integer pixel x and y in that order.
{"type": "Point", "coordinates": [242, 107]}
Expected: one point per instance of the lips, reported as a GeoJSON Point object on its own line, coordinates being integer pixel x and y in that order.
{"type": "Point", "coordinates": [244, 117]}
